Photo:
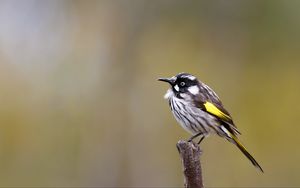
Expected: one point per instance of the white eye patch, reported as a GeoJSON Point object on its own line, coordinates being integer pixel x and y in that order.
{"type": "Point", "coordinates": [176, 87]}
{"type": "Point", "coordinates": [193, 90]}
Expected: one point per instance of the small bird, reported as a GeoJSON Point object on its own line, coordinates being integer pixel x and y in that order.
{"type": "Point", "coordinates": [198, 109]}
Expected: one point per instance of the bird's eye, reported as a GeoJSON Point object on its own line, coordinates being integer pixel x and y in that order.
{"type": "Point", "coordinates": [182, 84]}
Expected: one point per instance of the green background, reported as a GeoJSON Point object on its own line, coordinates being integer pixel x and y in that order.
{"type": "Point", "coordinates": [80, 104]}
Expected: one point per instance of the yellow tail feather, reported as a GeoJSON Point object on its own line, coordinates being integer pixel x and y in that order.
{"type": "Point", "coordinates": [245, 152]}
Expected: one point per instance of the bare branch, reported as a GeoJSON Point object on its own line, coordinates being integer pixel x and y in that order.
{"type": "Point", "coordinates": [190, 156]}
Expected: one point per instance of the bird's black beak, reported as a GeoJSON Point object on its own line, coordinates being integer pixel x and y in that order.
{"type": "Point", "coordinates": [168, 80]}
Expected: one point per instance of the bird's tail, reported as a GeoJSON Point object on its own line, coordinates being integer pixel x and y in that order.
{"type": "Point", "coordinates": [245, 152]}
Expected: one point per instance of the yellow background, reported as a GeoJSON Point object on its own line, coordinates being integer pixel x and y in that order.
{"type": "Point", "coordinates": [80, 104]}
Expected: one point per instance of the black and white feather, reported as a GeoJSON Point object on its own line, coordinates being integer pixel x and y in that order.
{"type": "Point", "coordinates": [186, 97]}
{"type": "Point", "coordinates": [198, 109]}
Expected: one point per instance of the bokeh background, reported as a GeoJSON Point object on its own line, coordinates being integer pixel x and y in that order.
{"type": "Point", "coordinates": [80, 104]}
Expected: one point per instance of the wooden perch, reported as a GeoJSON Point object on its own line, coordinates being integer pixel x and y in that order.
{"type": "Point", "coordinates": [190, 156]}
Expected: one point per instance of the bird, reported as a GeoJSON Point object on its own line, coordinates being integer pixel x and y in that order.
{"type": "Point", "coordinates": [199, 110]}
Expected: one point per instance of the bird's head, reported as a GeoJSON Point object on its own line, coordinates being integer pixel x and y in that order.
{"type": "Point", "coordinates": [183, 85]}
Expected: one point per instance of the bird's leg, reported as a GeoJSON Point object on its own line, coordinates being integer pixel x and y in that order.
{"type": "Point", "coordinates": [195, 136]}
{"type": "Point", "coordinates": [202, 138]}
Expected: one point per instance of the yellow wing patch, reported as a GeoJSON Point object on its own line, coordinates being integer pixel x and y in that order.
{"type": "Point", "coordinates": [211, 108]}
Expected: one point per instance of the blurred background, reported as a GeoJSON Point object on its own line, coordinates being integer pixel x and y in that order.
{"type": "Point", "coordinates": [80, 104]}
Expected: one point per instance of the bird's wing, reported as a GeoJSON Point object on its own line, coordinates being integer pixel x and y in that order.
{"type": "Point", "coordinates": [222, 114]}
{"type": "Point", "coordinates": [217, 111]}
{"type": "Point", "coordinates": [209, 101]}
